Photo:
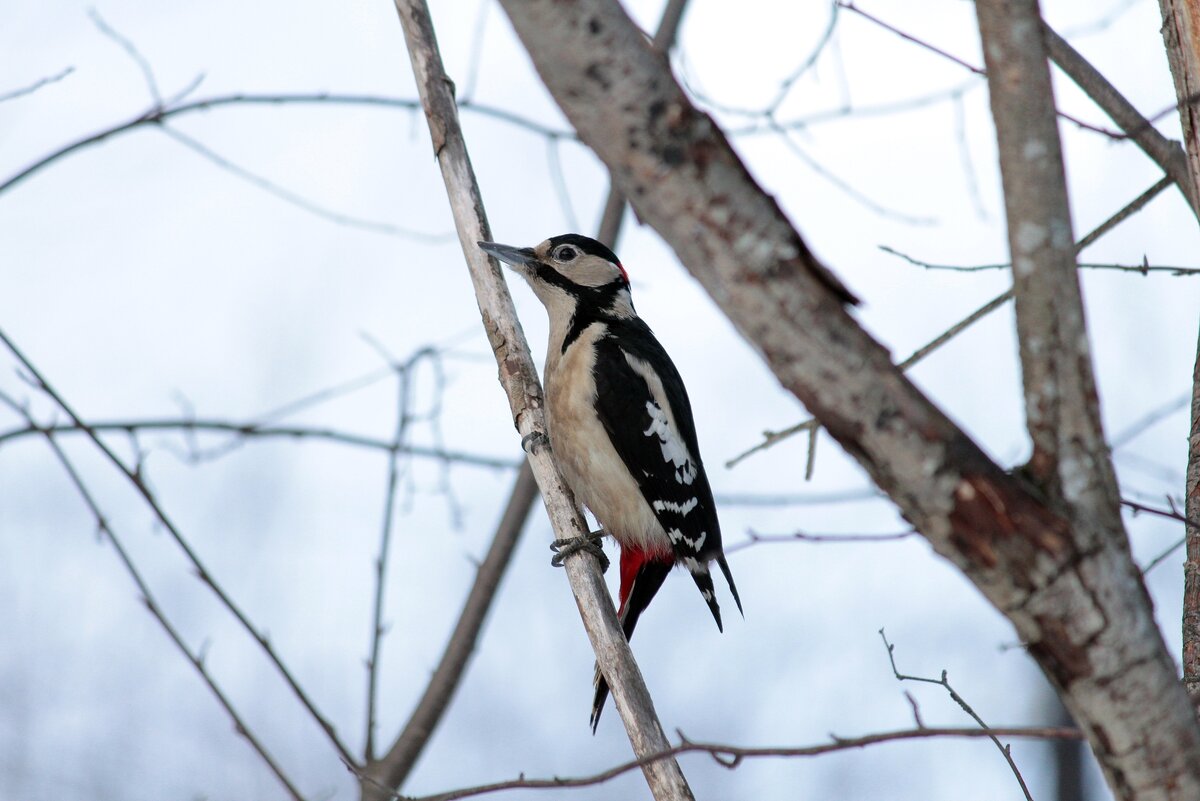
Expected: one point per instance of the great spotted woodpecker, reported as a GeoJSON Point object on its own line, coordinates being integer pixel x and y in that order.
{"type": "Point", "coordinates": [620, 425]}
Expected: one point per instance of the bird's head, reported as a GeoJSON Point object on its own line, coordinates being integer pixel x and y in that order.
{"type": "Point", "coordinates": [569, 271]}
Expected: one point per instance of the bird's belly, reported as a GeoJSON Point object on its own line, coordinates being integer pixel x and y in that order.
{"type": "Point", "coordinates": [597, 475]}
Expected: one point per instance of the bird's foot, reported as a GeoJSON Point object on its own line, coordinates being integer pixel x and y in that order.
{"type": "Point", "coordinates": [534, 440]}
{"type": "Point", "coordinates": [592, 542]}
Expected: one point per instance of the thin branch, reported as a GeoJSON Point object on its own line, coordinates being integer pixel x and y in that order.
{"type": "Point", "coordinates": [196, 659]}
{"type": "Point", "coordinates": [518, 376]}
{"type": "Point", "coordinates": [771, 438]}
{"type": "Point", "coordinates": [1145, 268]}
{"type": "Point", "coordinates": [944, 682]}
{"type": "Point", "coordinates": [258, 430]}
{"type": "Point", "coordinates": [1162, 557]}
{"type": "Point", "coordinates": [1191, 525]}
{"type": "Point", "coordinates": [1168, 155]}
{"type": "Point", "coordinates": [297, 200]}
{"type": "Point", "coordinates": [132, 51]}
{"type": "Point", "coordinates": [136, 478]}
{"type": "Point", "coordinates": [156, 114]}
{"type": "Point", "coordinates": [756, 499]}
{"type": "Point", "coordinates": [12, 94]}
{"type": "Point", "coordinates": [849, 6]}
{"type": "Point", "coordinates": [1147, 421]}
{"type": "Point", "coordinates": [404, 383]}
{"type": "Point", "coordinates": [463, 640]}
{"type": "Point", "coordinates": [754, 538]}
{"type": "Point", "coordinates": [845, 187]}
{"type": "Point", "coordinates": [731, 756]}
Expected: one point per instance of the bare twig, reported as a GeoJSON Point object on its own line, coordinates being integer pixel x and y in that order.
{"type": "Point", "coordinates": [1147, 421]}
{"type": "Point", "coordinates": [195, 658]}
{"type": "Point", "coordinates": [297, 200]}
{"type": "Point", "coordinates": [132, 51]}
{"type": "Point", "coordinates": [1162, 557]}
{"type": "Point", "coordinates": [157, 114]}
{"type": "Point", "coordinates": [137, 479]}
{"type": "Point", "coordinates": [1167, 154]}
{"type": "Point", "coordinates": [1171, 513]}
{"type": "Point", "coordinates": [849, 6]}
{"type": "Point", "coordinates": [462, 642]}
{"type": "Point", "coordinates": [732, 756]}
{"type": "Point", "coordinates": [12, 94]}
{"type": "Point", "coordinates": [258, 430]}
{"type": "Point", "coordinates": [1145, 268]}
{"type": "Point", "coordinates": [771, 438]}
{"type": "Point", "coordinates": [754, 538]}
{"type": "Point", "coordinates": [944, 682]}
{"type": "Point", "coordinates": [760, 499]}
{"type": "Point", "coordinates": [404, 383]}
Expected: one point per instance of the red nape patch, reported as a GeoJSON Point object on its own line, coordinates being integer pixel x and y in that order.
{"type": "Point", "coordinates": [624, 275]}
{"type": "Point", "coordinates": [632, 560]}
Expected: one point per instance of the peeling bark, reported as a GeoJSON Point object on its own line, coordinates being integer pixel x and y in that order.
{"type": "Point", "coordinates": [1074, 595]}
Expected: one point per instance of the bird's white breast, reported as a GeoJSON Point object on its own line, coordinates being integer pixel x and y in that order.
{"type": "Point", "coordinates": [585, 454]}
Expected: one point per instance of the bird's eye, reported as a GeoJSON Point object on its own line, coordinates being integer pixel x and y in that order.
{"type": "Point", "coordinates": [565, 253]}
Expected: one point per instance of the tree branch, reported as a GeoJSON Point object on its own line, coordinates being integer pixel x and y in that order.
{"type": "Point", "coordinates": [1082, 610]}
{"type": "Point", "coordinates": [519, 379]}
{"type": "Point", "coordinates": [1166, 154]}
{"type": "Point", "coordinates": [255, 430]}
{"type": "Point", "coordinates": [732, 756]}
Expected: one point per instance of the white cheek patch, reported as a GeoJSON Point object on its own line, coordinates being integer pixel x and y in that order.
{"type": "Point", "coordinates": [673, 449]}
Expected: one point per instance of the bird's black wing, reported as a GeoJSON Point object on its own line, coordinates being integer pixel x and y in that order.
{"type": "Point", "coordinates": [642, 403]}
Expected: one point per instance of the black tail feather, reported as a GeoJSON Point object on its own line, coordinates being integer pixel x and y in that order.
{"type": "Point", "coordinates": [732, 587]}
{"type": "Point", "coordinates": [649, 579]}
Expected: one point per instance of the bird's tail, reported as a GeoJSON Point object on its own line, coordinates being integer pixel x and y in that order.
{"type": "Point", "coordinates": [642, 574]}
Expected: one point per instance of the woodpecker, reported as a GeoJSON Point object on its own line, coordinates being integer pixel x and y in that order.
{"type": "Point", "coordinates": [620, 426]}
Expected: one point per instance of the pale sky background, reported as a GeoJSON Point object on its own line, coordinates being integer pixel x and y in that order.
{"type": "Point", "coordinates": [146, 282]}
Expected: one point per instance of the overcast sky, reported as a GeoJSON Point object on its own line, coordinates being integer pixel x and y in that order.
{"type": "Point", "coordinates": [150, 281]}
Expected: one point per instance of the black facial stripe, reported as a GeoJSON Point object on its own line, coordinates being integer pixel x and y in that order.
{"type": "Point", "coordinates": [592, 306]}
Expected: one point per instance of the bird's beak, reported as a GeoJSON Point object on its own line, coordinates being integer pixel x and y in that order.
{"type": "Point", "coordinates": [517, 257]}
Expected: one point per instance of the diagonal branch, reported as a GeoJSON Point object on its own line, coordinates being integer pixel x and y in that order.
{"type": "Point", "coordinates": [1166, 154]}
{"type": "Point", "coordinates": [1074, 597]}
{"type": "Point", "coordinates": [518, 376]}
{"type": "Point", "coordinates": [413, 738]}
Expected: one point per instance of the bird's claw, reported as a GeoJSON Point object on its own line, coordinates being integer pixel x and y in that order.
{"type": "Point", "coordinates": [591, 543]}
{"type": "Point", "coordinates": [531, 441]}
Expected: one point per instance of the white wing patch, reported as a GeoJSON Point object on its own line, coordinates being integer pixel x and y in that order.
{"type": "Point", "coordinates": [680, 509]}
{"type": "Point", "coordinates": [673, 449]}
